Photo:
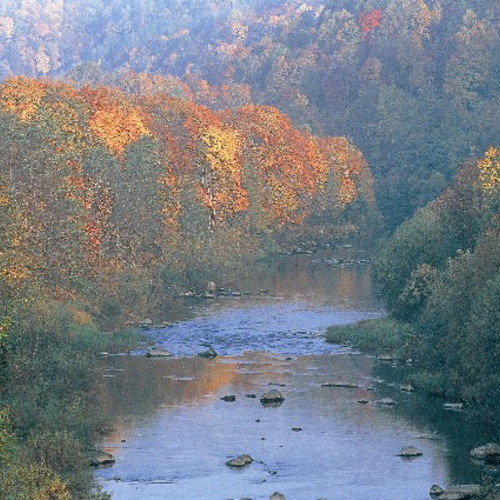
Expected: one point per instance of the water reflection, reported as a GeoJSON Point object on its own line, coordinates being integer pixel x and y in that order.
{"type": "Point", "coordinates": [179, 433]}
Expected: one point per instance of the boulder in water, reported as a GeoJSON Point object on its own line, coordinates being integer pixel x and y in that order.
{"type": "Point", "coordinates": [273, 397]}
{"type": "Point", "coordinates": [458, 492]}
{"type": "Point", "coordinates": [210, 353]}
{"type": "Point", "coordinates": [409, 452]}
{"type": "Point", "coordinates": [406, 387]}
{"type": "Point", "coordinates": [453, 406]}
{"type": "Point", "coordinates": [488, 453]}
{"type": "Point", "coordinates": [277, 496]}
{"type": "Point", "coordinates": [158, 353]}
{"type": "Point", "coordinates": [240, 461]}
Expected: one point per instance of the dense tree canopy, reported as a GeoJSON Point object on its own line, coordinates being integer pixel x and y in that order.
{"type": "Point", "coordinates": [411, 81]}
{"type": "Point", "coordinates": [94, 182]}
{"type": "Point", "coordinates": [440, 271]}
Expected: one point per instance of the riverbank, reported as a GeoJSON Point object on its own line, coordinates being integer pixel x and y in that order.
{"type": "Point", "coordinates": [381, 336]}
{"type": "Point", "coordinates": [397, 342]}
{"type": "Point", "coordinates": [50, 416]}
{"type": "Point", "coordinates": [396, 347]}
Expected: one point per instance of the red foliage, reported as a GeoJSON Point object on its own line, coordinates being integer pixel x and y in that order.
{"type": "Point", "coordinates": [370, 20]}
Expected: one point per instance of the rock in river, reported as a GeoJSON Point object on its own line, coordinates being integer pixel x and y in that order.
{"type": "Point", "coordinates": [453, 406]}
{"type": "Point", "coordinates": [277, 496]}
{"type": "Point", "coordinates": [240, 461]}
{"type": "Point", "coordinates": [101, 458]}
{"type": "Point", "coordinates": [349, 385]}
{"type": "Point", "coordinates": [272, 397]}
{"type": "Point", "coordinates": [488, 453]}
{"type": "Point", "coordinates": [210, 353]}
{"type": "Point", "coordinates": [387, 357]}
{"type": "Point", "coordinates": [409, 452]}
{"type": "Point", "coordinates": [230, 398]}
{"type": "Point", "coordinates": [386, 402]}
{"type": "Point", "coordinates": [158, 353]}
{"type": "Point", "coordinates": [458, 492]}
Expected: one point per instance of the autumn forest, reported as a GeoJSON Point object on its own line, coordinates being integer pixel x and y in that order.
{"type": "Point", "coordinates": [146, 146]}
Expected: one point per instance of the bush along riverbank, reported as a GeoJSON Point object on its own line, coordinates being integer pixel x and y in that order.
{"type": "Point", "coordinates": [49, 415]}
{"type": "Point", "coordinates": [439, 276]}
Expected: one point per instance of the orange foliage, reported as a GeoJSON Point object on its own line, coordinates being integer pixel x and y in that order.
{"type": "Point", "coordinates": [113, 120]}
{"type": "Point", "coordinates": [285, 161]}
{"type": "Point", "coordinates": [349, 168]}
{"type": "Point", "coordinates": [22, 96]}
{"type": "Point", "coordinates": [245, 169]}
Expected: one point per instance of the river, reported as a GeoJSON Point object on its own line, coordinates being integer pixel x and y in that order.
{"type": "Point", "coordinates": [173, 433]}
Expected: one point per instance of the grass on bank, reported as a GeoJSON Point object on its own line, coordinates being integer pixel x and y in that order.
{"type": "Point", "coordinates": [388, 336]}
{"type": "Point", "coordinates": [379, 336]}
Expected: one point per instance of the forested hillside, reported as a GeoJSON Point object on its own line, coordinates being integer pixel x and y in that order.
{"type": "Point", "coordinates": [413, 82]}
{"type": "Point", "coordinates": [111, 205]}
{"type": "Point", "coordinates": [146, 191]}
{"type": "Point", "coordinates": [440, 273]}
{"type": "Point", "coordinates": [148, 147]}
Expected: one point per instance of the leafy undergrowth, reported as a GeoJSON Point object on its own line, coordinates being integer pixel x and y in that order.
{"type": "Point", "coordinates": [49, 418]}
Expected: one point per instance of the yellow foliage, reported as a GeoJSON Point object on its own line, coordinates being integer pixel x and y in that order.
{"type": "Point", "coordinates": [223, 148]}
{"type": "Point", "coordinates": [34, 482]}
{"type": "Point", "coordinates": [489, 169]}
{"type": "Point", "coordinates": [79, 317]}
{"type": "Point", "coordinates": [22, 96]}
{"type": "Point", "coordinates": [223, 155]}
{"type": "Point", "coordinates": [4, 196]}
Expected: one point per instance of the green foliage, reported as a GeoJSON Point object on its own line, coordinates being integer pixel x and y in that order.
{"type": "Point", "coordinates": [48, 388]}
{"type": "Point", "coordinates": [460, 326]}
{"type": "Point", "coordinates": [417, 242]}
{"type": "Point", "coordinates": [431, 383]}
{"type": "Point", "coordinates": [441, 271]}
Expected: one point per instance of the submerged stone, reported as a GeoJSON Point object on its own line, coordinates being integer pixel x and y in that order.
{"type": "Point", "coordinates": [348, 385]}
{"type": "Point", "coordinates": [386, 402]}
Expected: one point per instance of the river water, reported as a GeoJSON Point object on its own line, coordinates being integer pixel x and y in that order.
{"type": "Point", "coordinates": [173, 433]}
